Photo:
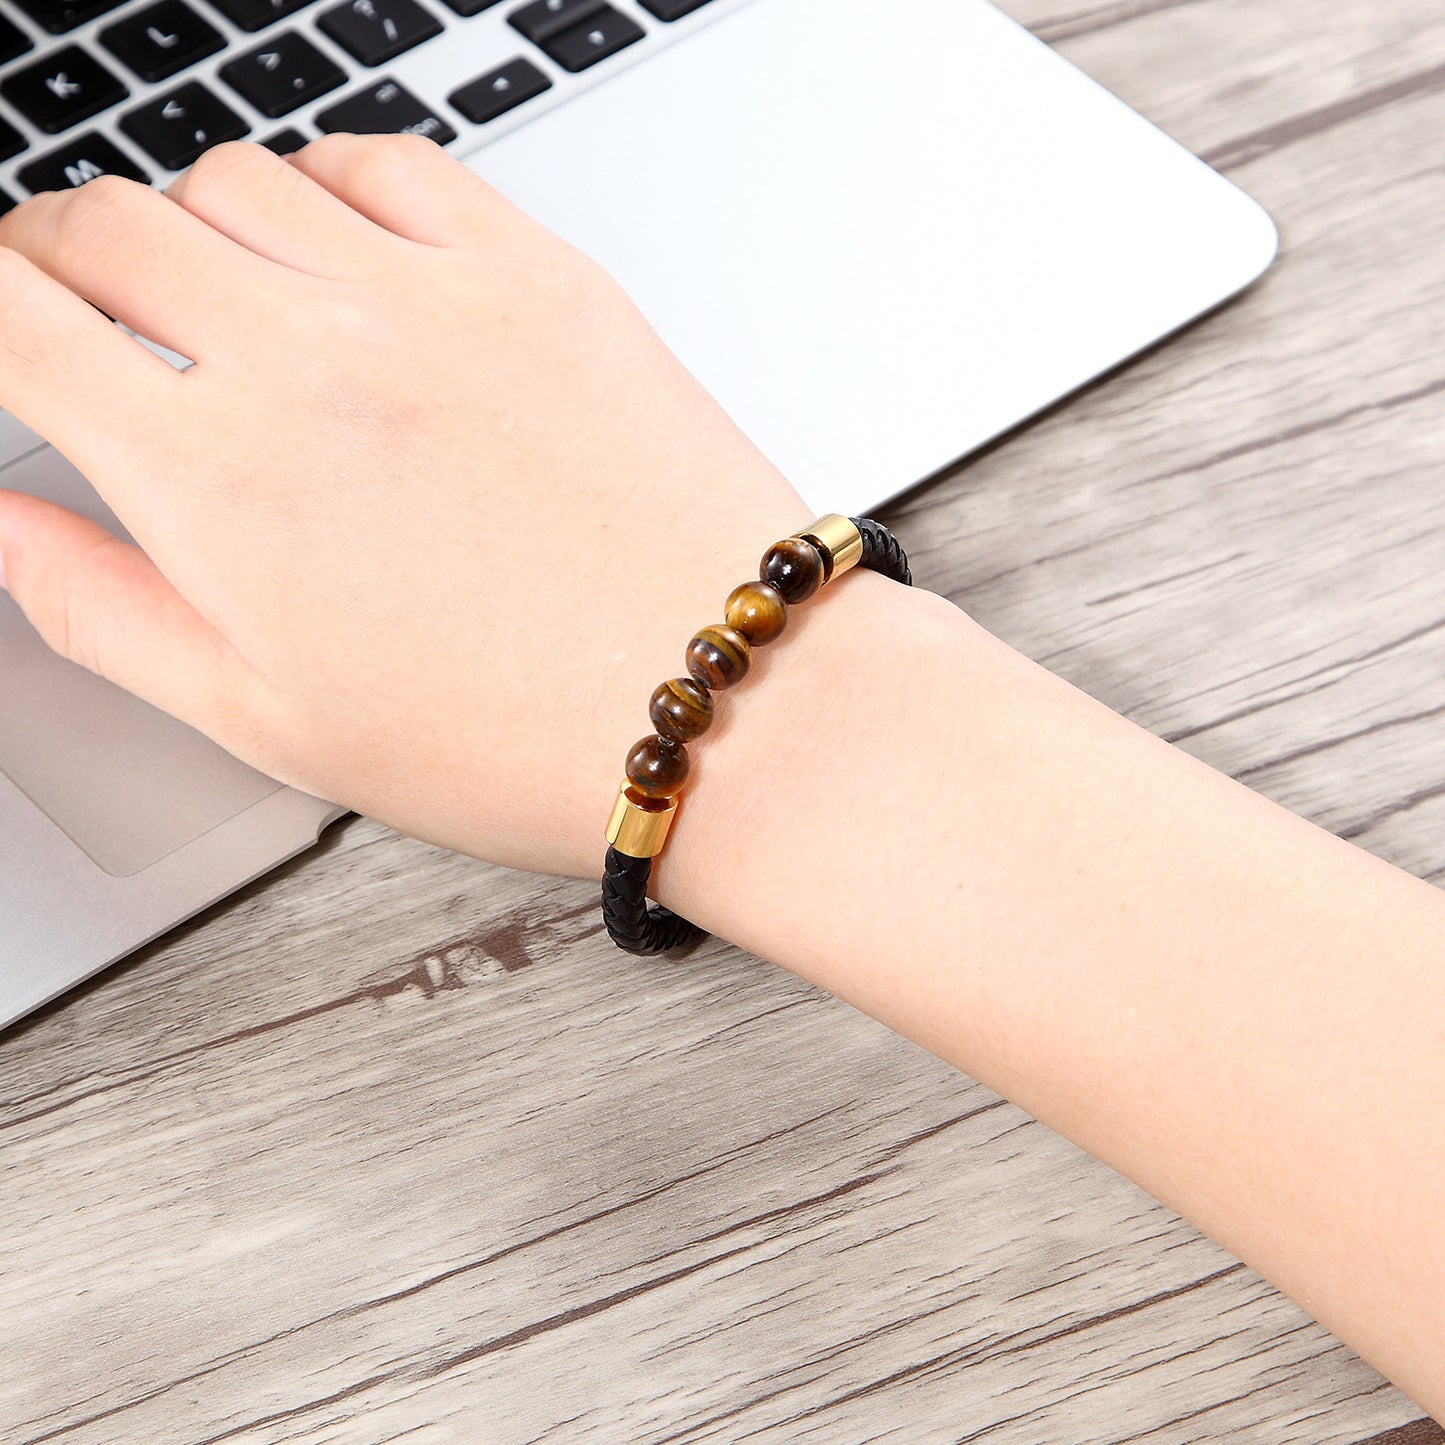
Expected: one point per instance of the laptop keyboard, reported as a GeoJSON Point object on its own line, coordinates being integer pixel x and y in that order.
{"type": "Point", "coordinates": [142, 88]}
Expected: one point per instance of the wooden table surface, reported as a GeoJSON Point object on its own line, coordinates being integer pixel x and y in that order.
{"type": "Point", "coordinates": [392, 1147]}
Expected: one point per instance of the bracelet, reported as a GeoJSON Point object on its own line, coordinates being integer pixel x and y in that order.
{"type": "Point", "coordinates": [681, 710]}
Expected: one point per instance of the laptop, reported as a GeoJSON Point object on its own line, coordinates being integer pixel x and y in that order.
{"type": "Point", "coordinates": [881, 232]}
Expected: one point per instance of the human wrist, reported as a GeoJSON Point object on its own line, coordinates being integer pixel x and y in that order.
{"type": "Point", "coordinates": [798, 746]}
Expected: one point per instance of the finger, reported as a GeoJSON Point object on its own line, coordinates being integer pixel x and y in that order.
{"type": "Point", "coordinates": [66, 372]}
{"type": "Point", "coordinates": [407, 184]}
{"type": "Point", "coordinates": [143, 260]}
{"type": "Point", "coordinates": [102, 603]}
{"type": "Point", "coordinates": [260, 202]}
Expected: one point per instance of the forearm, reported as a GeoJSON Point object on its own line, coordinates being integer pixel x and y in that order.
{"type": "Point", "coordinates": [1237, 1010]}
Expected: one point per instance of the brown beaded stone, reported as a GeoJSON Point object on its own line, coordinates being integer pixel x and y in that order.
{"type": "Point", "coordinates": [657, 767]}
{"type": "Point", "coordinates": [681, 709]}
{"type": "Point", "coordinates": [794, 567]}
{"type": "Point", "coordinates": [718, 656]}
{"type": "Point", "coordinates": [757, 610]}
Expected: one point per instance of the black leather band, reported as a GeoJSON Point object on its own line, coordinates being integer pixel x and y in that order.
{"type": "Point", "coordinates": [882, 551]}
{"type": "Point", "coordinates": [639, 927]}
{"type": "Point", "coordinates": [636, 925]}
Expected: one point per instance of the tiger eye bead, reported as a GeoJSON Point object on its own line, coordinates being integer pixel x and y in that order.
{"type": "Point", "coordinates": [757, 610]}
{"type": "Point", "coordinates": [681, 709]}
{"type": "Point", "coordinates": [657, 767]}
{"type": "Point", "coordinates": [794, 567]}
{"type": "Point", "coordinates": [718, 656]}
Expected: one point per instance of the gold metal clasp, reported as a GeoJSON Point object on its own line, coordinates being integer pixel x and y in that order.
{"type": "Point", "coordinates": [638, 825]}
{"type": "Point", "coordinates": [839, 542]}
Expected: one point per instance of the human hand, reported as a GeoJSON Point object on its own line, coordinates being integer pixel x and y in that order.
{"type": "Point", "coordinates": [431, 514]}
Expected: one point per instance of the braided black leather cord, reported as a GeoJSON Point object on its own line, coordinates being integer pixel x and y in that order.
{"type": "Point", "coordinates": [634, 925]}
{"type": "Point", "coordinates": [882, 552]}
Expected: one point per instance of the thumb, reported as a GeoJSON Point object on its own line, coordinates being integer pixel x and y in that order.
{"type": "Point", "coordinates": [104, 604]}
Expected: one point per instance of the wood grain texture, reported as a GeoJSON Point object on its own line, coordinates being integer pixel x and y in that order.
{"type": "Point", "coordinates": [393, 1147]}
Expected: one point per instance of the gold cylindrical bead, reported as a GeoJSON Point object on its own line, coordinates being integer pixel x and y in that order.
{"type": "Point", "coordinates": [840, 542]}
{"type": "Point", "coordinates": [638, 825]}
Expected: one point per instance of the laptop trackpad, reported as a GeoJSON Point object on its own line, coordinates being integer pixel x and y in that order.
{"type": "Point", "coordinates": [126, 783]}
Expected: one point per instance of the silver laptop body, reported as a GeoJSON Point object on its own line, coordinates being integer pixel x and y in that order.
{"type": "Point", "coordinates": [880, 231]}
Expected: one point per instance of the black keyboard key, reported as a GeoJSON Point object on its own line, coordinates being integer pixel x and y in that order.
{"type": "Point", "coordinates": [7, 203]}
{"type": "Point", "coordinates": [161, 39]}
{"type": "Point", "coordinates": [58, 16]}
{"type": "Point", "coordinates": [11, 141]}
{"type": "Point", "coordinates": [13, 41]}
{"type": "Point", "coordinates": [286, 142]}
{"type": "Point", "coordinates": [543, 19]}
{"type": "Point", "coordinates": [471, 7]}
{"type": "Point", "coordinates": [496, 92]}
{"type": "Point", "coordinates": [182, 125]}
{"type": "Point", "coordinates": [281, 75]}
{"type": "Point", "coordinates": [76, 162]}
{"type": "Point", "coordinates": [385, 109]}
{"type": "Point", "coordinates": [375, 31]}
{"type": "Point", "coordinates": [257, 14]}
{"type": "Point", "coordinates": [597, 37]}
{"type": "Point", "coordinates": [672, 9]}
{"type": "Point", "coordinates": [65, 87]}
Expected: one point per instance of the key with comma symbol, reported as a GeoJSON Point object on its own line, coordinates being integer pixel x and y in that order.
{"type": "Point", "coordinates": [180, 126]}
